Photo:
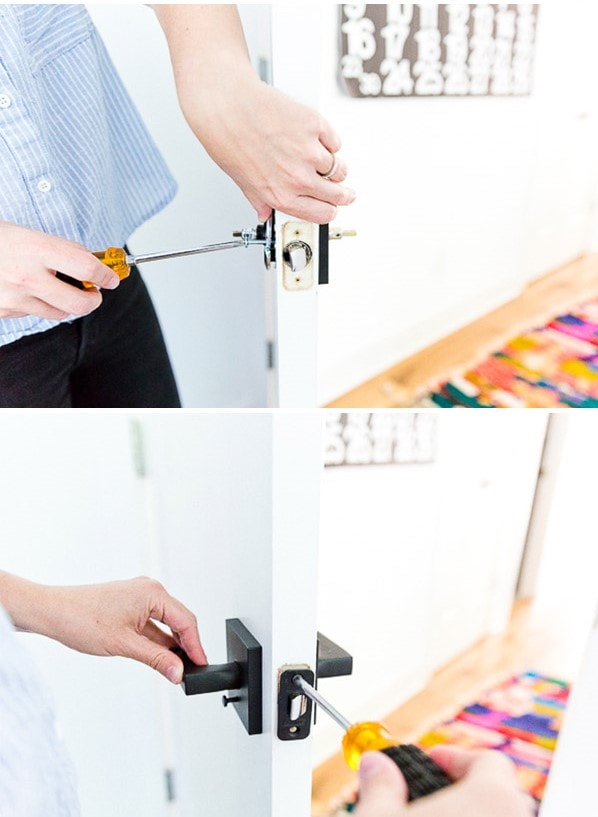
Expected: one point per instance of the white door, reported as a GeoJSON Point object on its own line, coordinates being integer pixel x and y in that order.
{"type": "Point", "coordinates": [236, 500]}
{"type": "Point", "coordinates": [239, 335]}
{"type": "Point", "coordinates": [223, 508]}
{"type": "Point", "coordinates": [570, 789]}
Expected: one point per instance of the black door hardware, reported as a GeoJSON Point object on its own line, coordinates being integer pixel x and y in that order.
{"type": "Point", "coordinates": [332, 660]}
{"type": "Point", "coordinates": [242, 673]}
{"type": "Point", "coordinates": [323, 255]}
{"type": "Point", "coordinates": [294, 708]}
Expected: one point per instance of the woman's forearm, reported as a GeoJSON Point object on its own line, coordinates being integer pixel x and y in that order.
{"type": "Point", "coordinates": [25, 602]}
{"type": "Point", "coordinates": [277, 151]}
{"type": "Point", "coordinates": [207, 46]}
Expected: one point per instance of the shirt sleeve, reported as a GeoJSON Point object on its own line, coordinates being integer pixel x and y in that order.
{"type": "Point", "coordinates": [36, 776]}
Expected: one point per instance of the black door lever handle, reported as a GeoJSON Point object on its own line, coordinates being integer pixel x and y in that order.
{"type": "Point", "coordinates": [198, 679]}
{"type": "Point", "coordinates": [243, 672]}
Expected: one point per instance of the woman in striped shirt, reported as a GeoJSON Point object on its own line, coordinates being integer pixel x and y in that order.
{"type": "Point", "coordinates": [79, 170]}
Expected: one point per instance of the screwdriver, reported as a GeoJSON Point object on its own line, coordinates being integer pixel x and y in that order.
{"type": "Point", "coordinates": [121, 262]}
{"type": "Point", "coordinates": [422, 775]}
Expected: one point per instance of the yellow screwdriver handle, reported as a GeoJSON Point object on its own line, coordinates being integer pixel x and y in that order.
{"type": "Point", "coordinates": [423, 775]}
{"type": "Point", "coordinates": [364, 737]}
{"type": "Point", "coordinates": [116, 259]}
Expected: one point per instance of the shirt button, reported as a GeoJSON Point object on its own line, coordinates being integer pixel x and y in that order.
{"type": "Point", "coordinates": [44, 185]}
{"type": "Point", "coordinates": [5, 101]}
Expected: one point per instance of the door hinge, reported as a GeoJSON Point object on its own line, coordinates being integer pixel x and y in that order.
{"type": "Point", "coordinates": [169, 784]}
{"type": "Point", "coordinates": [270, 355]}
{"type": "Point", "coordinates": [138, 449]}
{"type": "Point", "coordinates": [264, 71]}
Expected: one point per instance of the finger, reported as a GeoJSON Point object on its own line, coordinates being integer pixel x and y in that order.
{"type": "Point", "coordinates": [301, 207]}
{"type": "Point", "coordinates": [158, 636]}
{"type": "Point", "coordinates": [182, 622]}
{"type": "Point", "coordinates": [458, 763]}
{"type": "Point", "coordinates": [340, 174]}
{"type": "Point", "coordinates": [65, 297]}
{"type": "Point", "coordinates": [263, 211]}
{"type": "Point", "coordinates": [329, 137]}
{"type": "Point", "coordinates": [311, 209]}
{"type": "Point", "coordinates": [34, 306]}
{"type": "Point", "coordinates": [331, 192]}
{"type": "Point", "coordinates": [155, 656]}
{"type": "Point", "coordinates": [82, 265]}
{"type": "Point", "coordinates": [326, 162]}
{"type": "Point", "coordinates": [331, 167]}
{"type": "Point", "coordinates": [382, 787]}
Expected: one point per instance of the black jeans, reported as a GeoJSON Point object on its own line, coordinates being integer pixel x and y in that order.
{"type": "Point", "coordinates": [114, 357]}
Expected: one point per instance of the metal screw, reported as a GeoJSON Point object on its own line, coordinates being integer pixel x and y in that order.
{"type": "Point", "coordinates": [226, 701]}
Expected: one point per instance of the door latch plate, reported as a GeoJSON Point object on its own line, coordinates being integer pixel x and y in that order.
{"type": "Point", "coordinates": [294, 721]}
{"type": "Point", "coordinates": [298, 232]}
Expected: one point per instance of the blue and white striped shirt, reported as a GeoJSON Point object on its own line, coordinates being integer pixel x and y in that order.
{"type": "Point", "coordinates": [76, 160]}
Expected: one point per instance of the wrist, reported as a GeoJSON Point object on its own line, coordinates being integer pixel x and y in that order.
{"type": "Point", "coordinates": [28, 604]}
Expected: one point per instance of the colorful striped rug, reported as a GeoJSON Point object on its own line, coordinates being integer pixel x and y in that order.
{"type": "Point", "coordinates": [554, 366]}
{"type": "Point", "coordinates": [521, 718]}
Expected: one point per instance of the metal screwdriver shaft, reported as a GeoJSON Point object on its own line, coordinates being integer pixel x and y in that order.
{"type": "Point", "coordinates": [160, 256]}
{"type": "Point", "coordinates": [315, 696]}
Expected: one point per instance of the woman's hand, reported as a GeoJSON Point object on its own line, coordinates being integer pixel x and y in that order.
{"type": "Point", "coordinates": [276, 150]}
{"type": "Point", "coordinates": [485, 786]}
{"type": "Point", "coordinates": [117, 618]}
{"type": "Point", "coordinates": [29, 260]}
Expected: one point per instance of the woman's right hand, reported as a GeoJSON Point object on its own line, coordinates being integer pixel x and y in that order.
{"type": "Point", "coordinates": [29, 260]}
{"type": "Point", "coordinates": [485, 786]}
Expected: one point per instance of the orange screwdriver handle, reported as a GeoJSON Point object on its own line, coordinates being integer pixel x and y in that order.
{"type": "Point", "coordinates": [116, 259]}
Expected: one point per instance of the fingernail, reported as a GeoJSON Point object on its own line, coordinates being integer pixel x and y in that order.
{"type": "Point", "coordinates": [369, 765]}
{"type": "Point", "coordinates": [113, 283]}
{"type": "Point", "coordinates": [174, 675]}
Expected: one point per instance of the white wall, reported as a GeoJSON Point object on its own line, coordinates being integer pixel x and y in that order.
{"type": "Point", "coordinates": [460, 201]}
{"type": "Point", "coordinates": [417, 562]}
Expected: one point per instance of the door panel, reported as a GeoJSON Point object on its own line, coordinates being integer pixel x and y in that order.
{"type": "Point", "coordinates": [236, 503]}
{"type": "Point", "coordinates": [211, 482]}
{"type": "Point", "coordinates": [574, 757]}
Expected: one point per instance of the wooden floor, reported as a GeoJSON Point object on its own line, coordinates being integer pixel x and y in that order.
{"type": "Point", "coordinates": [534, 640]}
{"type": "Point", "coordinates": [405, 382]}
